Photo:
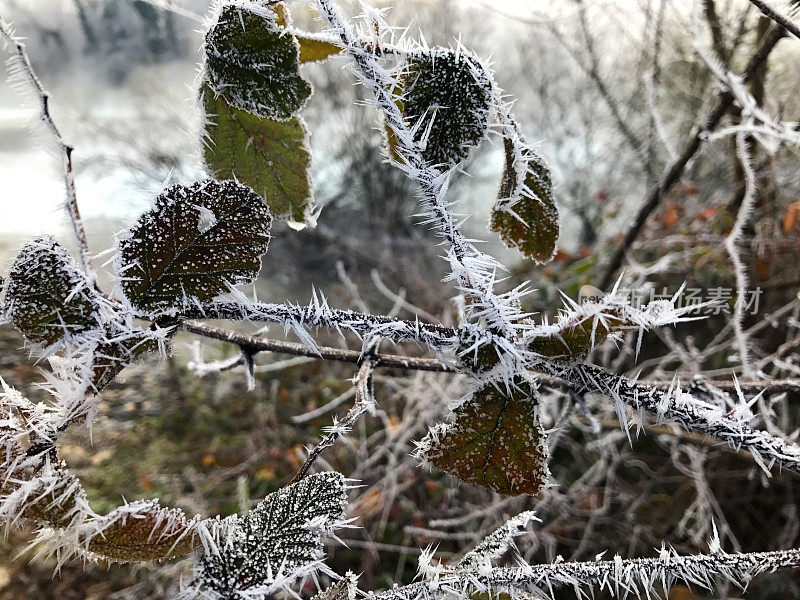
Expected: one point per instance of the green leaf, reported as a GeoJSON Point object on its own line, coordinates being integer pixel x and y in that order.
{"type": "Point", "coordinates": [495, 441]}
{"type": "Point", "coordinates": [272, 157]}
{"type": "Point", "coordinates": [196, 242]}
{"type": "Point", "coordinates": [48, 297]}
{"type": "Point", "coordinates": [525, 215]}
{"type": "Point", "coordinates": [314, 50]}
{"type": "Point", "coordinates": [451, 95]}
{"type": "Point", "coordinates": [255, 63]}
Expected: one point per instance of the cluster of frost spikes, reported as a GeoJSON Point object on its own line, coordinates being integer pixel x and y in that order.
{"type": "Point", "coordinates": [497, 543]}
{"type": "Point", "coordinates": [475, 272]}
{"type": "Point", "coordinates": [694, 411]}
{"type": "Point", "coordinates": [318, 314]}
{"type": "Point", "coordinates": [611, 311]}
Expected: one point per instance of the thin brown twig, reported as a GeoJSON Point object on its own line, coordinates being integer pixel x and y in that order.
{"type": "Point", "coordinates": [778, 18]}
{"type": "Point", "coordinates": [29, 76]}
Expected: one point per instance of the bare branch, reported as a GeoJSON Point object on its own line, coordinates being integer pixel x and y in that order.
{"type": "Point", "coordinates": [673, 173]}
{"type": "Point", "coordinates": [771, 13]}
{"type": "Point", "coordinates": [22, 72]}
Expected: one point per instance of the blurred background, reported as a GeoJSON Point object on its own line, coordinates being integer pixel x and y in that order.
{"type": "Point", "coordinates": [610, 91]}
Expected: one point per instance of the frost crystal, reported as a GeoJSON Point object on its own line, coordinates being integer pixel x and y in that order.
{"type": "Point", "coordinates": [277, 542]}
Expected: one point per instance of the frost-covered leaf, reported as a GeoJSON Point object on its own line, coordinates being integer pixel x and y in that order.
{"type": "Point", "coordinates": [525, 214]}
{"type": "Point", "coordinates": [54, 498]}
{"type": "Point", "coordinates": [48, 296]}
{"type": "Point", "coordinates": [255, 63]}
{"type": "Point", "coordinates": [142, 531]}
{"type": "Point", "coordinates": [195, 242]}
{"type": "Point", "coordinates": [495, 441]}
{"type": "Point", "coordinates": [279, 538]}
{"type": "Point", "coordinates": [446, 95]}
{"type": "Point", "coordinates": [270, 156]}
{"type": "Point", "coordinates": [112, 356]}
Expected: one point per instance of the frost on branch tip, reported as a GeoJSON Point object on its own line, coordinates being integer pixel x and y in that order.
{"type": "Point", "coordinates": [276, 543]}
{"type": "Point", "coordinates": [580, 327]}
{"type": "Point", "coordinates": [495, 440]}
{"type": "Point", "coordinates": [446, 98]}
{"type": "Point", "coordinates": [254, 62]}
{"type": "Point", "coordinates": [48, 297]}
{"type": "Point", "coordinates": [195, 243]}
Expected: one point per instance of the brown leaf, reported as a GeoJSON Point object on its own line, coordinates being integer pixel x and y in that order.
{"type": "Point", "coordinates": [148, 533]}
{"type": "Point", "coordinates": [790, 217]}
{"type": "Point", "coordinates": [496, 441]}
{"type": "Point", "coordinates": [526, 220]}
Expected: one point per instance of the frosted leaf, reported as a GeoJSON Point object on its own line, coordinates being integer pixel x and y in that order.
{"type": "Point", "coordinates": [48, 296]}
{"type": "Point", "coordinates": [169, 256]}
{"type": "Point", "coordinates": [142, 531]}
{"type": "Point", "coordinates": [54, 498]}
{"type": "Point", "coordinates": [525, 214]}
{"type": "Point", "coordinates": [279, 537]}
{"type": "Point", "coordinates": [112, 356]}
{"type": "Point", "coordinates": [255, 64]}
{"type": "Point", "coordinates": [495, 441]}
{"type": "Point", "coordinates": [446, 97]}
{"type": "Point", "coordinates": [313, 49]}
{"type": "Point", "coordinates": [270, 156]}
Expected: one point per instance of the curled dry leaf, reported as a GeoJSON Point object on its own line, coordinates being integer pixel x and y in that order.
{"type": "Point", "coordinates": [525, 215]}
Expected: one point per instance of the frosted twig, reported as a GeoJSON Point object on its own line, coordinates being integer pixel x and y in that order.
{"type": "Point", "coordinates": [640, 577]}
{"type": "Point", "coordinates": [474, 271]}
{"type": "Point", "coordinates": [674, 171]}
{"type": "Point", "coordinates": [21, 73]}
{"type": "Point", "coordinates": [781, 20]}
{"type": "Point", "coordinates": [365, 402]}
{"type": "Point", "coordinates": [745, 210]}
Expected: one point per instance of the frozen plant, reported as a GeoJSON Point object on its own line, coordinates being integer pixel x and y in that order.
{"type": "Point", "coordinates": [186, 259]}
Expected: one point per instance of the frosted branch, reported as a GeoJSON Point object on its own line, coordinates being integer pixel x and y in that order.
{"type": "Point", "coordinates": [24, 78]}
